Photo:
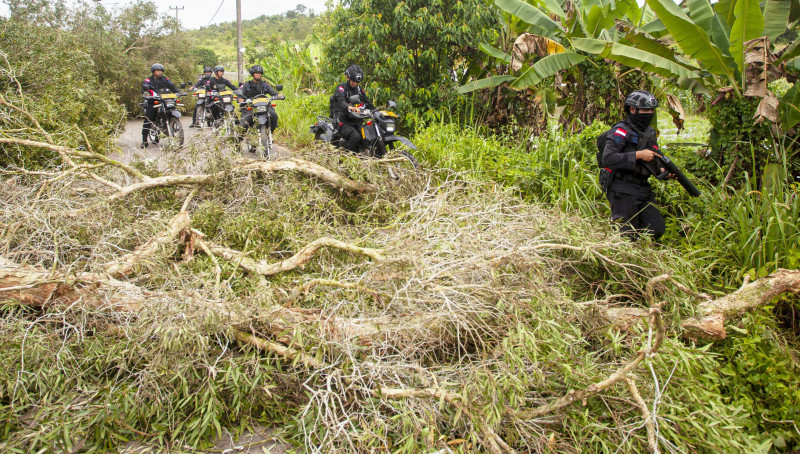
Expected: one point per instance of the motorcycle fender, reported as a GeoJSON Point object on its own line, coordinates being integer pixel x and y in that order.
{"type": "Point", "coordinates": [368, 132]}
{"type": "Point", "coordinates": [229, 108]}
{"type": "Point", "coordinates": [176, 114]}
{"type": "Point", "coordinates": [262, 119]}
{"type": "Point", "coordinates": [400, 139]}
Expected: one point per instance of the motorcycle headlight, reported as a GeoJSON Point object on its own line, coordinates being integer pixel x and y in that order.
{"type": "Point", "coordinates": [226, 99]}
{"type": "Point", "coordinates": [261, 109]}
{"type": "Point", "coordinates": [170, 103]}
{"type": "Point", "coordinates": [390, 127]}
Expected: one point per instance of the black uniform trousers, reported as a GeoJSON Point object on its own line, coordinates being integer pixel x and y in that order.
{"type": "Point", "coordinates": [636, 214]}
{"type": "Point", "coordinates": [351, 136]}
{"type": "Point", "coordinates": [149, 118]}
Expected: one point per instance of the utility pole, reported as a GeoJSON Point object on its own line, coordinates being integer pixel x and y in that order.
{"type": "Point", "coordinates": [239, 48]}
{"type": "Point", "coordinates": [176, 12]}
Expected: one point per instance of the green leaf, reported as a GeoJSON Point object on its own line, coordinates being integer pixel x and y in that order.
{"type": "Point", "coordinates": [554, 7]}
{"type": "Point", "coordinates": [725, 8]}
{"type": "Point", "coordinates": [489, 82]}
{"type": "Point", "coordinates": [546, 67]}
{"type": "Point", "coordinates": [599, 19]}
{"type": "Point", "coordinates": [528, 14]}
{"type": "Point", "coordinates": [791, 51]}
{"type": "Point", "coordinates": [749, 25]}
{"type": "Point", "coordinates": [634, 57]}
{"type": "Point", "coordinates": [692, 39]}
{"type": "Point", "coordinates": [720, 33]}
{"type": "Point", "coordinates": [495, 52]}
{"type": "Point", "coordinates": [789, 108]}
{"type": "Point", "coordinates": [701, 13]}
{"type": "Point", "coordinates": [776, 16]}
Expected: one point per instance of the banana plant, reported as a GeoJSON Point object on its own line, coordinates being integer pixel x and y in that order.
{"type": "Point", "coordinates": [725, 46]}
{"type": "Point", "coordinates": [545, 31]}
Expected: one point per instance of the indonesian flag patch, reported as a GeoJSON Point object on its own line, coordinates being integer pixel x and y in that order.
{"type": "Point", "coordinates": [621, 132]}
{"type": "Point", "coordinates": [341, 88]}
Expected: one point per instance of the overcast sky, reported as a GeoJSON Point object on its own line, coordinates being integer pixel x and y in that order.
{"type": "Point", "coordinates": [198, 13]}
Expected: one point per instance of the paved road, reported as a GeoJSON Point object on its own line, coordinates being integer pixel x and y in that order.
{"type": "Point", "coordinates": [131, 137]}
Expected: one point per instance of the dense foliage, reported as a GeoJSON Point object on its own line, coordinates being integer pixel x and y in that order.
{"type": "Point", "coordinates": [463, 235]}
{"type": "Point", "coordinates": [414, 50]}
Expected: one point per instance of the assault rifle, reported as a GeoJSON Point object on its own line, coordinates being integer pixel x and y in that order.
{"type": "Point", "coordinates": [670, 168]}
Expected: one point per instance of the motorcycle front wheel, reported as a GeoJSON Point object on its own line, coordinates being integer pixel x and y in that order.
{"type": "Point", "coordinates": [265, 141]}
{"type": "Point", "coordinates": [175, 133]}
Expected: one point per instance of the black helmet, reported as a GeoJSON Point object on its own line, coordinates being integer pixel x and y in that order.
{"type": "Point", "coordinates": [354, 72]}
{"type": "Point", "coordinates": [206, 69]}
{"type": "Point", "coordinates": [219, 68]}
{"type": "Point", "coordinates": [256, 69]}
{"type": "Point", "coordinates": [641, 99]}
{"type": "Point", "coordinates": [156, 67]}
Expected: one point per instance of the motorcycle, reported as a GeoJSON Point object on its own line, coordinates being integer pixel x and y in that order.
{"type": "Point", "coordinates": [167, 123]}
{"type": "Point", "coordinates": [378, 131]}
{"type": "Point", "coordinates": [261, 106]}
{"type": "Point", "coordinates": [225, 125]}
{"type": "Point", "coordinates": [202, 113]}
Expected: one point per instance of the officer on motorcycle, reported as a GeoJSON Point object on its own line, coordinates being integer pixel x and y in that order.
{"type": "Point", "coordinates": [217, 83]}
{"type": "Point", "coordinates": [350, 126]}
{"type": "Point", "coordinates": [201, 83]}
{"type": "Point", "coordinates": [630, 144]}
{"type": "Point", "coordinates": [251, 89]}
{"type": "Point", "coordinates": [156, 83]}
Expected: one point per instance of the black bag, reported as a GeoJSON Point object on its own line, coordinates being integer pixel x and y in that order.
{"type": "Point", "coordinates": [601, 145]}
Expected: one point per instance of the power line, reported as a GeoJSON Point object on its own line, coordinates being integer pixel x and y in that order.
{"type": "Point", "coordinates": [215, 13]}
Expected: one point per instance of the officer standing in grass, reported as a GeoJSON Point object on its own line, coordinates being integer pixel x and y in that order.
{"type": "Point", "coordinates": [630, 144]}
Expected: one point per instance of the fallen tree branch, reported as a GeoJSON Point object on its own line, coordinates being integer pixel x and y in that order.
{"type": "Point", "coordinates": [37, 287]}
{"type": "Point", "coordinates": [652, 442]}
{"type": "Point", "coordinates": [125, 265]}
{"type": "Point", "coordinates": [299, 259]}
{"type": "Point", "coordinates": [709, 323]}
{"type": "Point", "coordinates": [572, 395]}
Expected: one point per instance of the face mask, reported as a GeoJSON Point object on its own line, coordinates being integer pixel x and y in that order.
{"type": "Point", "coordinates": [641, 121]}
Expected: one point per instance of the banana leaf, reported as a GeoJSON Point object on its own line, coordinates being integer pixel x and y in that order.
{"type": "Point", "coordinates": [789, 108]}
{"type": "Point", "coordinates": [726, 10]}
{"type": "Point", "coordinates": [546, 67]}
{"type": "Point", "coordinates": [495, 52]}
{"type": "Point", "coordinates": [529, 14]}
{"type": "Point", "coordinates": [701, 13]}
{"type": "Point", "coordinates": [776, 17]}
{"type": "Point", "coordinates": [636, 58]}
{"type": "Point", "coordinates": [749, 24]}
{"type": "Point", "coordinates": [692, 39]}
{"type": "Point", "coordinates": [489, 82]}
{"type": "Point", "coordinates": [791, 51]}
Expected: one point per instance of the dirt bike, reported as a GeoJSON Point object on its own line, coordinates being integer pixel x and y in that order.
{"type": "Point", "coordinates": [225, 125]}
{"type": "Point", "coordinates": [167, 123]}
{"type": "Point", "coordinates": [377, 131]}
{"type": "Point", "coordinates": [260, 106]}
{"type": "Point", "coordinates": [202, 112]}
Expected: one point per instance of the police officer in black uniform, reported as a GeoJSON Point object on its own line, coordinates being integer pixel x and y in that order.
{"type": "Point", "coordinates": [156, 83]}
{"type": "Point", "coordinates": [217, 83]}
{"type": "Point", "coordinates": [350, 126]}
{"type": "Point", "coordinates": [630, 145]}
{"type": "Point", "coordinates": [201, 83]}
{"type": "Point", "coordinates": [251, 89]}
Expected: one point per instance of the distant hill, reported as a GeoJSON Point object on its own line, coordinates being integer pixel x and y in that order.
{"type": "Point", "coordinates": [292, 26]}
